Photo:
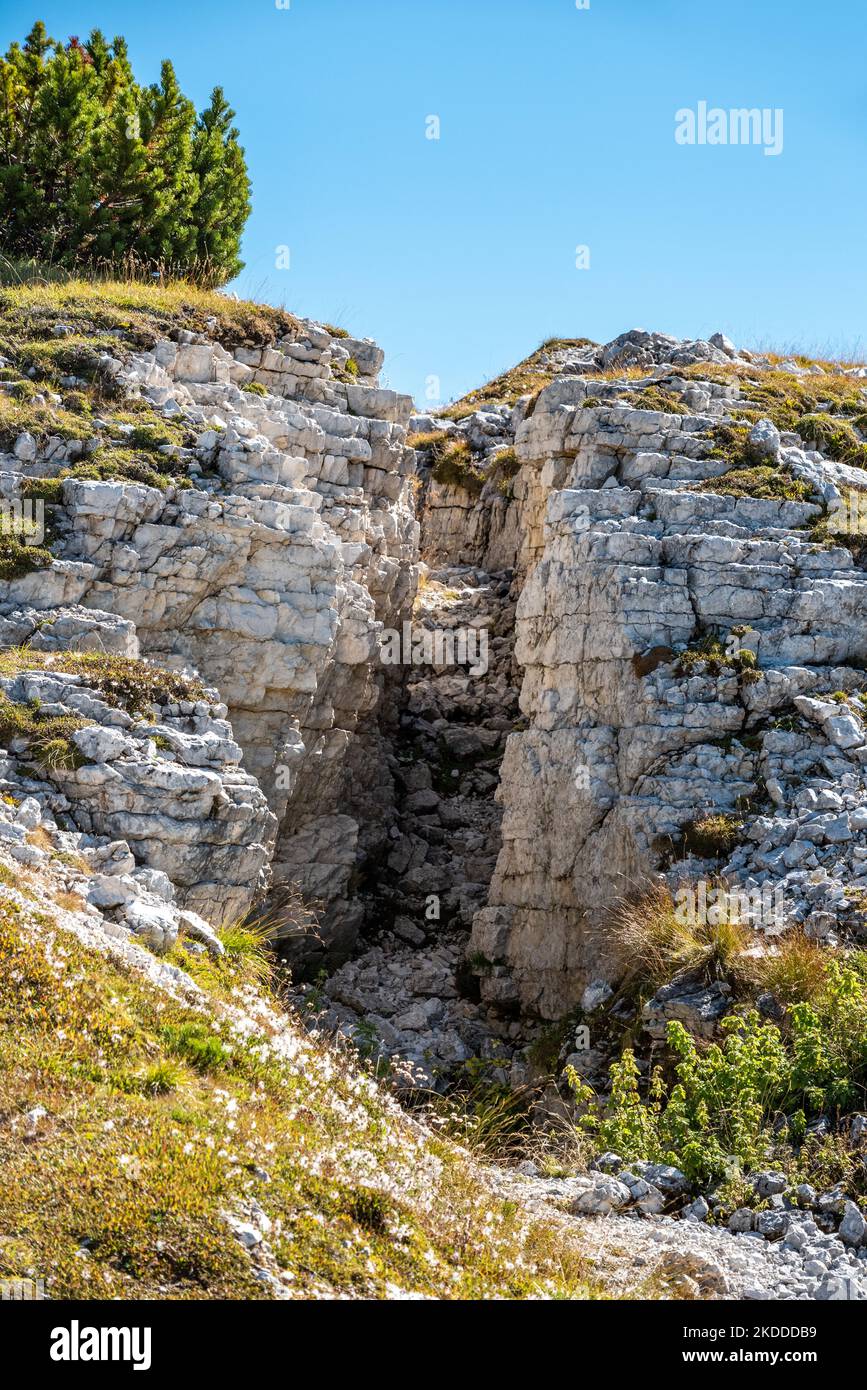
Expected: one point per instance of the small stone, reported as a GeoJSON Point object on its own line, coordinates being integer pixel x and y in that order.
{"type": "Point", "coordinates": [196, 927]}
{"type": "Point", "coordinates": [602, 1196]}
{"type": "Point", "coordinates": [763, 441]}
{"type": "Point", "coordinates": [596, 993]}
{"type": "Point", "coordinates": [696, 1211]}
{"type": "Point", "coordinates": [853, 1227]}
{"type": "Point", "coordinates": [742, 1220]}
{"type": "Point", "coordinates": [608, 1162]}
{"type": "Point", "coordinates": [25, 447]}
{"type": "Point", "coordinates": [773, 1225]}
{"type": "Point", "coordinates": [111, 890]}
{"type": "Point", "coordinates": [767, 1184]}
{"type": "Point", "coordinates": [29, 813]}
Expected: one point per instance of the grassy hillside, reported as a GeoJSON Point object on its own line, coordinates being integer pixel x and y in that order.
{"type": "Point", "coordinates": [143, 1116]}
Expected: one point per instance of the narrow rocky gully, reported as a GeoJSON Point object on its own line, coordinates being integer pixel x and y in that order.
{"type": "Point", "coordinates": [410, 993]}
{"type": "Point", "coordinates": [445, 698]}
{"type": "Point", "coordinates": [610, 678]}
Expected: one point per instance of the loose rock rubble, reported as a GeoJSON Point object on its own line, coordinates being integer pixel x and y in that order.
{"type": "Point", "coordinates": [781, 1255]}
{"type": "Point", "coordinates": [412, 992]}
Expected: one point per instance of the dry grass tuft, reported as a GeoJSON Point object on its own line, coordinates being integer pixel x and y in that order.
{"type": "Point", "coordinates": [657, 943]}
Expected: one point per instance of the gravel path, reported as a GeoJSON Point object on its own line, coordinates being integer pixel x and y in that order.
{"type": "Point", "coordinates": [641, 1256]}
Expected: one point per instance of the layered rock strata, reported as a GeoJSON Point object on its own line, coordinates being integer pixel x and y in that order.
{"type": "Point", "coordinates": [272, 575]}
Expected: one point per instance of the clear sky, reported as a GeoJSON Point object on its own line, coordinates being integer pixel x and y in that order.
{"type": "Point", "coordinates": [557, 130]}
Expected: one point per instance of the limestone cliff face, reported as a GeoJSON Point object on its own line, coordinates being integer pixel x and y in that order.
{"type": "Point", "coordinates": [272, 576]}
{"type": "Point", "coordinates": [681, 639]}
{"type": "Point", "coordinates": [629, 743]}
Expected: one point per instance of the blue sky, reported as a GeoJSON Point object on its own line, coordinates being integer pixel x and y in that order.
{"type": "Point", "coordinates": [556, 131]}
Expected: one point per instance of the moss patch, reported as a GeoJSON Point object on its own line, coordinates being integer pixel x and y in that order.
{"type": "Point", "coordinates": [123, 681]}
{"type": "Point", "coordinates": [762, 482]}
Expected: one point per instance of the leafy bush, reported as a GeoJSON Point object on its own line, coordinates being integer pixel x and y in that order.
{"type": "Point", "coordinates": [726, 1100]}
{"type": "Point", "coordinates": [95, 168]}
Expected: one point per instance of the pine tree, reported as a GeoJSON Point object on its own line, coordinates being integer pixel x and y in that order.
{"type": "Point", "coordinates": [95, 168]}
{"type": "Point", "coordinates": [223, 202]}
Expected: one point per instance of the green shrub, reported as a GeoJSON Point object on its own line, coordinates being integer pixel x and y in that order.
{"type": "Point", "coordinates": [725, 1100]}
{"type": "Point", "coordinates": [455, 467]}
{"type": "Point", "coordinates": [95, 168]}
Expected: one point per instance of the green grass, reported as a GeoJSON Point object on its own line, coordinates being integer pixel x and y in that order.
{"type": "Point", "coordinates": [118, 318]}
{"type": "Point", "coordinates": [761, 482]}
{"type": "Point", "coordinates": [126, 682]}
{"type": "Point", "coordinates": [142, 311]}
{"type": "Point", "coordinates": [47, 737]}
{"type": "Point", "coordinates": [835, 438]}
{"type": "Point", "coordinates": [17, 558]}
{"type": "Point", "coordinates": [655, 944]}
{"type": "Point", "coordinates": [455, 467]}
{"type": "Point", "coordinates": [711, 653]}
{"type": "Point", "coordinates": [713, 836]}
{"type": "Point", "coordinates": [656, 397]}
{"type": "Point", "coordinates": [526, 378]}
{"type": "Point", "coordinates": [161, 1116]}
{"type": "Point", "coordinates": [506, 467]}
{"type": "Point", "coordinates": [248, 958]}
{"type": "Point", "coordinates": [784, 398]}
